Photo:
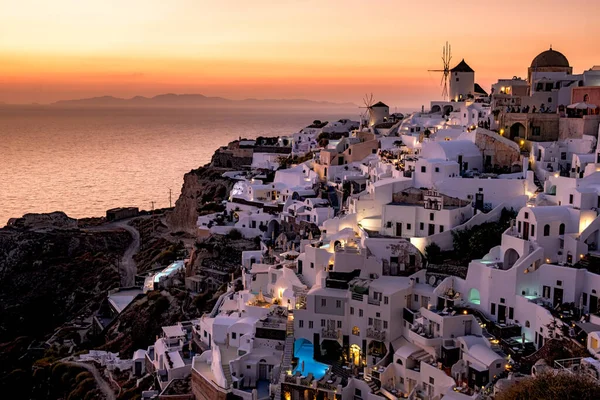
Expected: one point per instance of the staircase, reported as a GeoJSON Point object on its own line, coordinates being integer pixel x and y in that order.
{"type": "Point", "coordinates": [421, 356]}
{"type": "Point", "coordinates": [288, 353]}
{"type": "Point", "coordinates": [301, 279]}
{"type": "Point", "coordinates": [227, 373]}
{"type": "Point", "coordinates": [373, 386]}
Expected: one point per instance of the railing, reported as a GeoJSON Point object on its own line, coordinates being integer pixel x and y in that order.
{"type": "Point", "coordinates": [357, 296]}
{"type": "Point", "coordinates": [330, 334]}
{"type": "Point", "coordinates": [374, 301]}
{"type": "Point", "coordinates": [375, 334]}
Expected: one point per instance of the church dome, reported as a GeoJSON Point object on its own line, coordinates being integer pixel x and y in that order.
{"type": "Point", "coordinates": [550, 58]}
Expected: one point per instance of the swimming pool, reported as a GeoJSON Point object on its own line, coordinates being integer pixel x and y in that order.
{"type": "Point", "coordinates": [303, 350]}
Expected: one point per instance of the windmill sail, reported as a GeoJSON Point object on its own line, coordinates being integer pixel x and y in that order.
{"type": "Point", "coordinates": [446, 58]}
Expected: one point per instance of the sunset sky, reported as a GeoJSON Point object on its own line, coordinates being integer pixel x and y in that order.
{"type": "Point", "coordinates": [315, 49]}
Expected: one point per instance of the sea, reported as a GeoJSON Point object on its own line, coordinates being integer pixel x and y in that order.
{"type": "Point", "coordinates": [86, 160]}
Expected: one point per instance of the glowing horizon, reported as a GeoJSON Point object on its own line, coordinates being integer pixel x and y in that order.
{"type": "Point", "coordinates": [320, 50]}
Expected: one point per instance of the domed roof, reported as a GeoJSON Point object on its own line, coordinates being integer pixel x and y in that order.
{"type": "Point", "coordinates": [550, 58]}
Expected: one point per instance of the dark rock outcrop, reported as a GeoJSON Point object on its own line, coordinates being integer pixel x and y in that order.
{"type": "Point", "coordinates": [202, 186]}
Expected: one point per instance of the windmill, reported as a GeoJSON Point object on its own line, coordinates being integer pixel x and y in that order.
{"type": "Point", "coordinates": [368, 104]}
{"type": "Point", "coordinates": [446, 57]}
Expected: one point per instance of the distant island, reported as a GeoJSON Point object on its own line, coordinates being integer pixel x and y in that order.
{"type": "Point", "coordinates": [196, 100]}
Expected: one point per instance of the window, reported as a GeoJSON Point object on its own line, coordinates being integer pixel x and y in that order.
{"type": "Point", "coordinates": [378, 315]}
{"type": "Point", "coordinates": [532, 230]}
{"type": "Point", "coordinates": [351, 310]}
{"type": "Point", "coordinates": [357, 392]}
{"type": "Point", "coordinates": [431, 380]}
{"type": "Point", "coordinates": [423, 169]}
{"type": "Point", "coordinates": [312, 264]}
{"type": "Point", "coordinates": [511, 313]}
{"type": "Point", "coordinates": [421, 225]}
{"type": "Point", "coordinates": [356, 331]}
{"type": "Point", "coordinates": [205, 335]}
{"type": "Point", "coordinates": [388, 224]}
{"type": "Point", "coordinates": [546, 292]}
{"type": "Point", "coordinates": [457, 79]}
{"type": "Point", "coordinates": [570, 199]}
{"type": "Point", "coordinates": [437, 169]}
{"type": "Point", "coordinates": [563, 155]}
{"type": "Point", "coordinates": [441, 228]}
{"type": "Point", "coordinates": [502, 300]}
{"type": "Point", "coordinates": [498, 365]}
{"type": "Point", "coordinates": [399, 361]}
{"type": "Point", "coordinates": [536, 131]}
{"type": "Point", "coordinates": [386, 300]}
{"type": "Point", "coordinates": [408, 226]}
{"type": "Point", "coordinates": [248, 367]}
{"type": "Point", "coordinates": [301, 324]}
{"type": "Point", "coordinates": [322, 323]}
{"type": "Point", "coordinates": [385, 324]}
{"type": "Point", "coordinates": [431, 216]}
{"type": "Point", "coordinates": [546, 230]}
{"type": "Point", "coordinates": [360, 312]}
{"type": "Point", "coordinates": [519, 226]}
{"type": "Point", "coordinates": [493, 309]}
{"type": "Point", "coordinates": [323, 302]}
{"type": "Point", "coordinates": [527, 324]}
{"type": "Point", "coordinates": [416, 297]}
{"type": "Point", "coordinates": [584, 299]}
{"type": "Point", "coordinates": [233, 335]}
{"type": "Point", "coordinates": [526, 215]}
{"type": "Point", "coordinates": [338, 304]}
{"type": "Point", "coordinates": [310, 324]}
{"type": "Point", "coordinates": [273, 278]}
{"type": "Point", "coordinates": [339, 324]}
{"type": "Point", "coordinates": [370, 321]}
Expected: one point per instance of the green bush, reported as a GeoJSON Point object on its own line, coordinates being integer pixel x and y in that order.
{"type": "Point", "coordinates": [553, 386]}
{"type": "Point", "coordinates": [433, 253]}
{"type": "Point", "coordinates": [234, 234]}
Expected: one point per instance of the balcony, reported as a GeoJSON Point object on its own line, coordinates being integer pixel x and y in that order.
{"type": "Point", "coordinates": [424, 339]}
{"type": "Point", "coordinates": [376, 334]}
{"type": "Point", "coordinates": [373, 301]}
{"type": "Point", "coordinates": [330, 334]}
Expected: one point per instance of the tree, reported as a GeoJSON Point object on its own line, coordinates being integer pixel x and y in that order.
{"type": "Point", "coordinates": [553, 386]}
{"type": "Point", "coordinates": [433, 253]}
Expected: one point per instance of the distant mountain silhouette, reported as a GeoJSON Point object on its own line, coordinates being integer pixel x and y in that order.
{"type": "Point", "coordinates": [196, 100]}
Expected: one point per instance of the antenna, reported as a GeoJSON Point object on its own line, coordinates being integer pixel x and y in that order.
{"type": "Point", "coordinates": [170, 201]}
{"type": "Point", "coordinates": [446, 58]}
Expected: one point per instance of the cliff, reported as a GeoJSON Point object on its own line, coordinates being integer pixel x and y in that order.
{"type": "Point", "coordinates": [202, 192]}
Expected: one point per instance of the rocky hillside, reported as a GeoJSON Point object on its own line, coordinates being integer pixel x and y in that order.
{"type": "Point", "coordinates": [202, 192]}
{"type": "Point", "coordinates": [50, 277]}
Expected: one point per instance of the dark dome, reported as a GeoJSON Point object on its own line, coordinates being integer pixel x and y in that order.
{"type": "Point", "coordinates": [550, 58]}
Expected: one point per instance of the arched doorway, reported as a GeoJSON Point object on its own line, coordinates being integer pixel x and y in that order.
{"type": "Point", "coordinates": [436, 109]}
{"type": "Point", "coordinates": [356, 355]}
{"type": "Point", "coordinates": [517, 130]}
{"type": "Point", "coordinates": [510, 258]}
{"type": "Point", "coordinates": [272, 229]}
{"type": "Point", "coordinates": [474, 296]}
{"type": "Point", "coordinates": [448, 109]}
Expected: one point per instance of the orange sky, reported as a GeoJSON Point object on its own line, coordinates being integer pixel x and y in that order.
{"type": "Point", "coordinates": [323, 50]}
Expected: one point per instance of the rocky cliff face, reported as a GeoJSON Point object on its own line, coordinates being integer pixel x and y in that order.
{"type": "Point", "coordinates": [202, 191]}
{"type": "Point", "coordinates": [52, 276]}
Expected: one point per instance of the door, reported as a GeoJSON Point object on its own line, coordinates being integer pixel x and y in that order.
{"type": "Point", "coordinates": [262, 371]}
{"type": "Point", "coordinates": [593, 304]}
{"type": "Point", "coordinates": [525, 230]}
{"type": "Point", "coordinates": [558, 297]}
{"type": "Point", "coordinates": [468, 327]}
{"type": "Point", "coordinates": [431, 229]}
{"type": "Point", "coordinates": [398, 228]}
{"type": "Point", "coordinates": [501, 313]}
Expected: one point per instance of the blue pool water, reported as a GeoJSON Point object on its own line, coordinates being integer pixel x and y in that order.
{"type": "Point", "coordinates": [303, 349]}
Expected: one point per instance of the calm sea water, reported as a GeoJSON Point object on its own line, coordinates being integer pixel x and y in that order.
{"type": "Point", "coordinates": [85, 161]}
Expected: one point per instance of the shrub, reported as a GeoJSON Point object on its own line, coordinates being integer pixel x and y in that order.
{"type": "Point", "coordinates": [234, 234]}
{"type": "Point", "coordinates": [433, 253]}
{"type": "Point", "coordinates": [553, 386]}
